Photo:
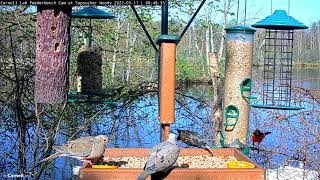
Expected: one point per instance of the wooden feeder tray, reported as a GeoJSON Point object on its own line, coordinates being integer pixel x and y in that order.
{"type": "Point", "coordinates": [86, 172]}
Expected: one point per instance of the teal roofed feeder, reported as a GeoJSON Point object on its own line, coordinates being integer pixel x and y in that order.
{"type": "Point", "coordinates": [278, 54]}
{"type": "Point", "coordinates": [91, 13]}
{"type": "Point", "coordinates": [281, 21]}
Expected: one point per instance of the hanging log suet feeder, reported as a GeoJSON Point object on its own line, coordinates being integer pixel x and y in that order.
{"type": "Point", "coordinates": [278, 55]}
{"type": "Point", "coordinates": [89, 61]}
{"type": "Point", "coordinates": [52, 56]}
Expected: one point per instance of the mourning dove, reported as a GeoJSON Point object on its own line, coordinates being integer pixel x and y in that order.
{"type": "Point", "coordinates": [161, 158]}
{"type": "Point", "coordinates": [191, 138]}
{"type": "Point", "coordinates": [84, 148]}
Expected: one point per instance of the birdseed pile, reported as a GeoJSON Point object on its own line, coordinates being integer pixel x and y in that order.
{"type": "Point", "coordinates": [238, 68]}
{"type": "Point", "coordinates": [89, 70]}
{"type": "Point", "coordinates": [203, 161]}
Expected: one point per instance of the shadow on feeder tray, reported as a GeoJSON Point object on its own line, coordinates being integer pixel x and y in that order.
{"type": "Point", "coordinates": [161, 175]}
{"type": "Point", "coordinates": [116, 163]}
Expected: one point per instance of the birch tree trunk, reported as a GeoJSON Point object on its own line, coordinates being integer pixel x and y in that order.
{"type": "Point", "coordinates": [214, 60]}
{"type": "Point", "coordinates": [190, 40]}
{"type": "Point", "coordinates": [128, 69]}
{"type": "Point", "coordinates": [217, 99]}
{"type": "Point", "coordinates": [114, 58]}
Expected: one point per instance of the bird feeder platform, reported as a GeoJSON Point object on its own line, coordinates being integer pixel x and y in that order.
{"type": "Point", "coordinates": [87, 172]}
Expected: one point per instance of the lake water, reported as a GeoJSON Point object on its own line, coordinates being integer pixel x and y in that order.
{"type": "Point", "coordinates": [138, 125]}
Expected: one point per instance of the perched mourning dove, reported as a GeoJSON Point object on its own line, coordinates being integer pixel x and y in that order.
{"type": "Point", "coordinates": [161, 158]}
{"type": "Point", "coordinates": [84, 148]}
{"type": "Point", "coordinates": [192, 139]}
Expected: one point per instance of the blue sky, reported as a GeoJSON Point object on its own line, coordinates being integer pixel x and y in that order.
{"type": "Point", "coordinates": [305, 11]}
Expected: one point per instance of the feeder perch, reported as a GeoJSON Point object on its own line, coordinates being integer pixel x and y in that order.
{"type": "Point", "coordinates": [232, 112]}
{"type": "Point", "coordinates": [245, 88]}
{"type": "Point", "coordinates": [278, 55]}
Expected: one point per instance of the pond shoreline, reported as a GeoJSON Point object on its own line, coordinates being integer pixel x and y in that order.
{"type": "Point", "coordinates": [308, 65]}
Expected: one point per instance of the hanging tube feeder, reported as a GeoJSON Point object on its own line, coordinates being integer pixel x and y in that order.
{"type": "Point", "coordinates": [239, 47]}
{"type": "Point", "coordinates": [278, 55]}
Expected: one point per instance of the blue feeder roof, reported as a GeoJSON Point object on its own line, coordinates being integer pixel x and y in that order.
{"type": "Point", "coordinates": [280, 20]}
{"type": "Point", "coordinates": [240, 29]}
{"type": "Point", "coordinates": [92, 13]}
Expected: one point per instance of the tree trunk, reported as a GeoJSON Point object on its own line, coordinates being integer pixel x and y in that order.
{"type": "Point", "coordinates": [53, 51]}
{"type": "Point", "coordinates": [115, 50]}
{"type": "Point", "coordinates": [129, 58]}
{"type": "Point", "coordinates": [211, 39]}
{"type": "Point", "coordinates": [22, 125]}
{"type": "Point", "coordinates": [217, 99]}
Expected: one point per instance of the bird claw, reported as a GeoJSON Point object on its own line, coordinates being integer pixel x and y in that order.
{"type": "Point", "coordinates": [87, 161]}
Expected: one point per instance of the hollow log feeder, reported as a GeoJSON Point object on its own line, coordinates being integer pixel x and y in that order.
{"type": "Point", "coordinates": [53, 52]}
{"type": "Point", "coordinates": [168, 45]}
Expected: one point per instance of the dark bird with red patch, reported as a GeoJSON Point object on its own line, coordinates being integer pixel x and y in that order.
{"type": "Point", "coordinates": [258, 136]}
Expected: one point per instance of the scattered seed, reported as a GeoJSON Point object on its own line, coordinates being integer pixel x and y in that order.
{"type": "Point", "coordinates": [204, 161]}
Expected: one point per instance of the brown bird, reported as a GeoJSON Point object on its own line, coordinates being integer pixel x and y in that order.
{"type": "Point", "coordinates": [84, 148]}
{"type": "Point", "coordinates": [191, 138]}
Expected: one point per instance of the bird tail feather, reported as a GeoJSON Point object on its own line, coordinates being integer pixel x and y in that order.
{"type": "Point", "coordinates": [208, 148]}
{"type": "Point", "coordinates": [55, 155]}
{"type": "Point", "coordinates": [143, 176]}
{"type": "Point", "coordinates": [266, 133]}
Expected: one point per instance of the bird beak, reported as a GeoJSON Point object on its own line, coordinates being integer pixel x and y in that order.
{"type": "Point", "coordinates": [176, 133]}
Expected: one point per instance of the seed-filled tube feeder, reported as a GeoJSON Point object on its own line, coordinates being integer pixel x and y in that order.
{"type": "Point", "coordinates": [237, 93]}
{"type": "Point", "coordinates": [278, 55]}
{"type": "Point", "coordinates": [168, 44]}
{"type": "Point", "coordinates": [89, 61]}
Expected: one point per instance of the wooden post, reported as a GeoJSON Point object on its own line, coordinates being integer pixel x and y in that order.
{"type": "Point", "coordinates": [167, 86]}
{"type": "Point", "coordinates": [53, 51]}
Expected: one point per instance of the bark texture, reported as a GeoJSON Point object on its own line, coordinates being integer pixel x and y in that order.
{"type": "Point", "coordinates": [53, 51]}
